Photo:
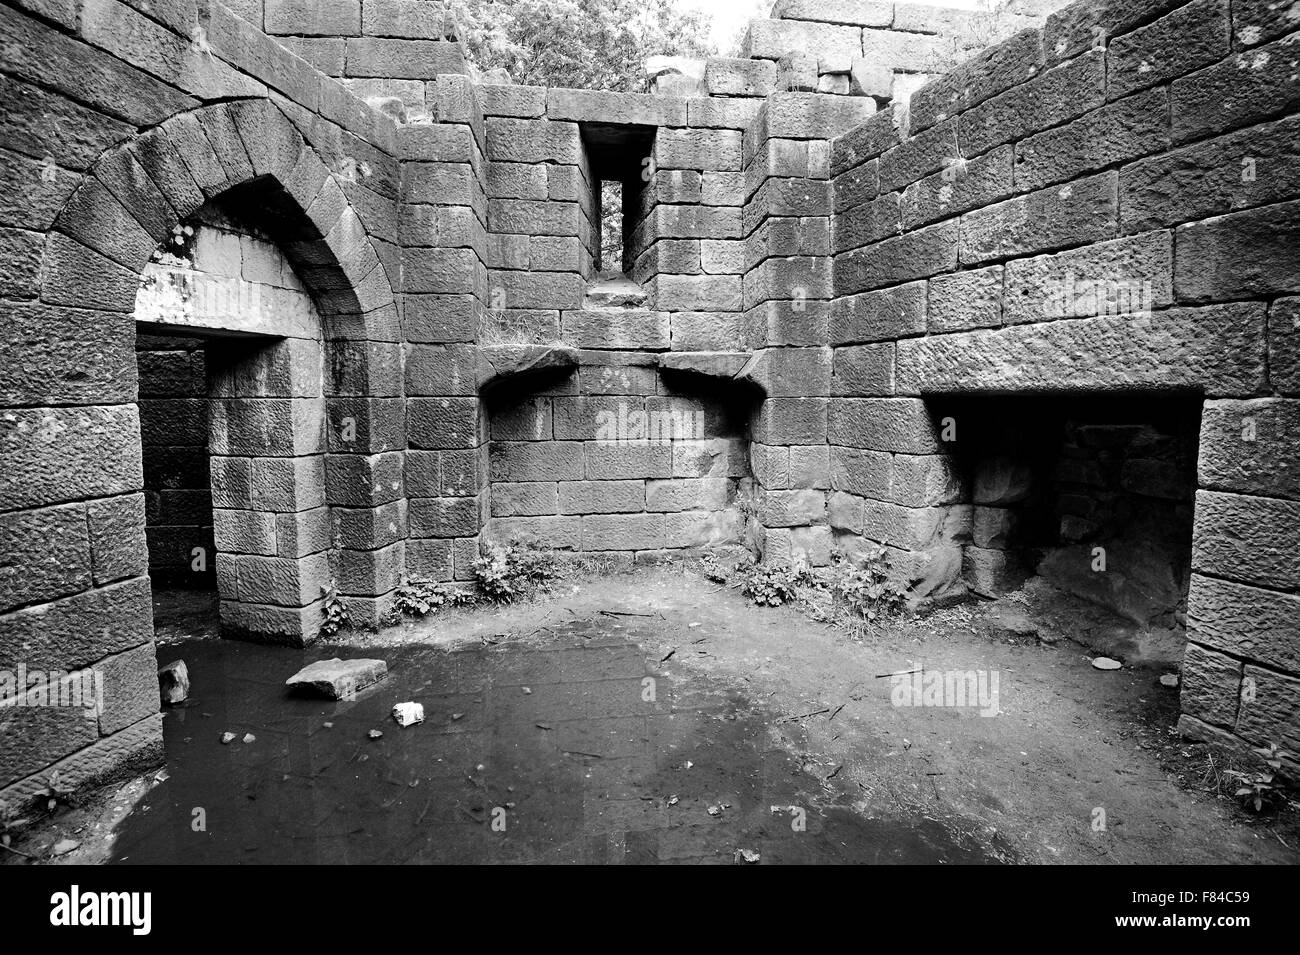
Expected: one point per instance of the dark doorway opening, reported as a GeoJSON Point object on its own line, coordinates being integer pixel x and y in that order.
{"type": "Point", "coordinates": [1083, 506]}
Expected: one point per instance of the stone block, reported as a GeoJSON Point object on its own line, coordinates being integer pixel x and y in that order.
{"type": "Point", "coordinates": [1210, 685]}
{"type": "Point", "coordinates": [1253, 540]}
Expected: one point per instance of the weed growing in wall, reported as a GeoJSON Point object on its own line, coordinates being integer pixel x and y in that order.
{"type": "Point", "coordinates": [335, 611]}
{"type": "Point", "coordinates": [772, 585]}
{"type": "Point", "coordinates": [422, 599]}
{"type": "Point", "coordinates": [507, 572]}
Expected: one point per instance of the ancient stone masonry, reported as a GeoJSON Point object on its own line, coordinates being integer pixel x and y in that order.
{"type": "Point", "coordinates": [304, 247]}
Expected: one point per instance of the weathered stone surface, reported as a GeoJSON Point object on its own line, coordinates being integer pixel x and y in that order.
{"type": "Point", "coordinates": [879, 316]}
{"type": "Point", "coordinates": [866, 140]}
{"type": "Point", "coordinates": [1085, 210]}
{"type": "Point", "coordinates": [698, 149]}
{"type": "Point", "coordinates": [796, 73]}
{"type": "Point", "coordinates": [907, 52]}
{"type": "Point", "coordinates": [1284, 346]}
{"type": "Point", "coordinates": [403, 59]}
{"type": "Point", "coordinates": [337, 679]}
{"type": "Point", "coordinates": [726, 76]}
{"type": "Point", "coordinates": [36, 444]}
{"type": "Point", "coordinates": [883, 424]}
{"type": "Point", "coordinates": [1241, 90]}
{"type": "Point", "coordinates": [872, 221]}
{"type": "Point", "coordinates": [1269, 710]}
{"type": "Point", "coordinates": [866, 13]}
{"type": "Point", "coordinates": [1242, 255]}
{"type": "Point", "coordinates": [516, 101]}
{"type": "Point", "coordinates": [1255, 21]}
{"type": "Point", "coordinates": [1245, 621]}
{"type": "Point", "coordinates": [1051, 98]}
{"type": "Point", "coordinates": [807, 115]}
{"type": "Point", "coordinates": [634, 109]}
{"type": "Point", "coordinates": [869, 79]}
{"type": "Point", "coordinates": [404, 18]}
{"type": "Point", "coordinates": [721, 113]}
{"type": "Point", "coordinates": [985, 75]}
{"type": "Point", "coordinates": [130, 688]}
{"type": "Point", "coordinates": [921, 254]}
{"type": "Point", "coordinates": [863, 371]}
{"type": "Point", "coordinates": [965, 300]}
{"type": "Point", "coordinates": [532, 141]}
{"type": "Point", "coordinates": [1250, 447]}
{"type": "Point", "coordinates": [1254, 540]}
{"type": "Point", "coordinates": [915, 528]}
{"type": "Point", "coordinates": [674, 293]}
{"type": "Point", "coordinates": [1210, 685]}
{"type": "Point", "coordinates": [607, 497]}
{"type": "Point", "coordinates": [1190, 37]}
{"type": "Point", "coordinates": [1134, 126]}
{"type": "Point", "coordinates": [117, 540]}
{"type": "Point", "coordinates": [958, 188]}
{"type": "Point", "coordinates": [1248, 168]}
{"type": "Point", "coordinates": [617, 328]}
{"type": "Point", "coordinates": [55, 635]}
{"type": "Point", "coordinates": [771, 39]}
{"type": "Point", "coordinates": [1219, 349]}
{"type": "Point", "coordinates": [1129, 276]}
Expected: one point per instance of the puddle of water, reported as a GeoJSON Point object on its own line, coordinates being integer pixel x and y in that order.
{"type": "Point", "coordinates": [561, 752]}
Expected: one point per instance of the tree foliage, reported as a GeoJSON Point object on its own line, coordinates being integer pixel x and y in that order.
{"type": "Point", "coordinates": [580, 44]}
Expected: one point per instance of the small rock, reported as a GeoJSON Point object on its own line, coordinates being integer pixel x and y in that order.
{"type": "Point", "coordinates": [227, 738]}
{"type": "Point", "coordinates": [1106, 663]}
{"type": "Point", "coordinates": [407, 714]}
{"type": "Point", "coordinates": [1169, 679]}
{"type": "Point", "coordinates": [249, 738]}
{"type": "Point", "coordinates": [747, 856]}
{"type": "Point", "coordinates": [375, 734]}
{"type": "Point", "coordinates": [336, 679]}
{"type": "Point", "coordinates": [64, 846]}
{"type": "Point", "coordinates": [174, 682]}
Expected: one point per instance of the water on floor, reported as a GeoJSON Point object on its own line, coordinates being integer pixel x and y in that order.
{"type": "Point", "coordinates": [579, 749]}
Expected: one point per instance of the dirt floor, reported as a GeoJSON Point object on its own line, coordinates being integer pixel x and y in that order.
{"type": "Point", "coordinates": [657, 716]}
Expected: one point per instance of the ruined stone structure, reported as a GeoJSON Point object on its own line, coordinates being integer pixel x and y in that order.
{"type": "Point", "coordinates": [999, 308]}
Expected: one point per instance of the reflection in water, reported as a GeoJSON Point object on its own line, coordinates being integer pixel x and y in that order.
{"type": "Point", "coordinates": [555, 753]}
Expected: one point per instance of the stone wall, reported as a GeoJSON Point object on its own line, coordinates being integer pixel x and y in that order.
{"type": "Point", "coordinates": [382, 50]}
{"type": "Point", "coordinates": [877, 48]}
{"type": "Point", "coordinates": [119, 121]}
{"type": "Point", "coordinates": [1101, 206]}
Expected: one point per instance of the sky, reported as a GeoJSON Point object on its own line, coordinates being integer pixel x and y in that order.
{"type": "Point", "coordinates": [730, 17]}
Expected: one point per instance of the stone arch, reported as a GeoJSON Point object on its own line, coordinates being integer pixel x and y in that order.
{"type": "Point", "coordinates": [249, 152]}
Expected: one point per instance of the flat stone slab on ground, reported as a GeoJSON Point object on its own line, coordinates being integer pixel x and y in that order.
{"type": "Point", "coordinates": [337, 678]}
